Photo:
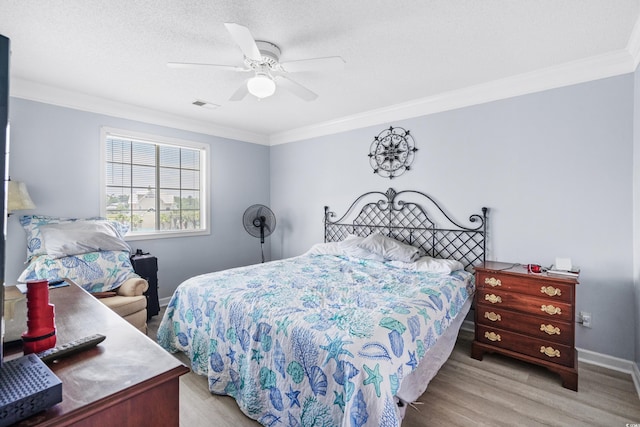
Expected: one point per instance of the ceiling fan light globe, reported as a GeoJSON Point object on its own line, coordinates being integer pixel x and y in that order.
{"type": "Point", "coordinates": [261, 86]}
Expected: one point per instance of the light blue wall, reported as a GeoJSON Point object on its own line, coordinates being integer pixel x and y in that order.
{"type": "Point", "coordinates": [555, 168]}
{"type": "Point", "coordinates": [56, 151]}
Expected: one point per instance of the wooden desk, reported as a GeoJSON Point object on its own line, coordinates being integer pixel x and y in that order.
{"type": "Point", "coordinates": [127, 380]}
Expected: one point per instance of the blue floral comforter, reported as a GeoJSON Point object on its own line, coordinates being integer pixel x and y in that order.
{"type": "Point", "coordinates": [315, 340]}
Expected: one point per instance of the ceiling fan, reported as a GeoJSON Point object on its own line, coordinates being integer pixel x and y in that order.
{"type": "Point", "coordinates": [262, 58]}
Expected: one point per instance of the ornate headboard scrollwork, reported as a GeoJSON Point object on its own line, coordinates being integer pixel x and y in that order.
{"type": "Point", "coordinates": [408, 221]}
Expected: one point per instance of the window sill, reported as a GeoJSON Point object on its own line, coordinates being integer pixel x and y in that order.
{"type": "Point", "coordinates": [165, 235]}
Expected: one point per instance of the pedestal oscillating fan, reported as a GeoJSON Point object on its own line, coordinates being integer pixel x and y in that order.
{"type": "Point", "coordinates": [259, 221]}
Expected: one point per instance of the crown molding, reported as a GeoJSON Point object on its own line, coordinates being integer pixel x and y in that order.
{"type": "Point", "coordinates": [26, 89]}
{"type": "Point", "coordinates": [602, 66]}
{"type": "Point", "coordinates": [633, 46]}
{"type": "Point", "coordinates": [580, 71]}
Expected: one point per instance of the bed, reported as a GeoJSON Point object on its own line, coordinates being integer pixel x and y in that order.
{"type": "Point", "coordinates": [345, 334]}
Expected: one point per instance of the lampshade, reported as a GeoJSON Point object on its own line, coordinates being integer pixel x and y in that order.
{"type": "Point", "coordinates": [261, 85]}
{"type": "Point", "coordinates": [18, 197]}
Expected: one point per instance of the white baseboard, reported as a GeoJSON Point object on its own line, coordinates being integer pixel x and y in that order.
{"type": "Point", "coordinates": [164, 301]}
{"type": "Point", "coordinates": [613, 363]}
{"type": "Point", "coordinates": [593, 358]}
{"type": "Point", "coordinates": [635, 374]}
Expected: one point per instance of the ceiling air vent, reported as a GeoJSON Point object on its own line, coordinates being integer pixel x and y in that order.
{"type": "Point", "coordinates": [205, 104]}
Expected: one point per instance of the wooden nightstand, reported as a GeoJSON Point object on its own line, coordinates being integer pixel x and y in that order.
{"type": "Point", "coordinates": [527, 316]}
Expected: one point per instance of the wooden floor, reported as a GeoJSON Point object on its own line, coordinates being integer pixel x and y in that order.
{"type": "Point", "coordinates": [497, 391]}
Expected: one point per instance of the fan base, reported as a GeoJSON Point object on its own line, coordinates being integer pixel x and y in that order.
{"type": "Point", "coordinates": [270, 55]}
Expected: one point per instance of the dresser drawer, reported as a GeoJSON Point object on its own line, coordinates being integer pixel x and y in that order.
{"type": "Point", "coordinates": [537, 286]}
{"type": "Point", "coordinates": [526, 304]}
{"type": "Point", "coordinates": [534, 326]}
{"type": "Point", "coordinates": [537, 348]}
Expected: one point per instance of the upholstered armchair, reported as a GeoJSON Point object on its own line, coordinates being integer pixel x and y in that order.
{"type": "Point", "coordinates": [129, 301]}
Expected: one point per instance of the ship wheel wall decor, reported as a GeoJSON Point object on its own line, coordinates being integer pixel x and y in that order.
{"type": "Point", "coordinates": [392, 152]}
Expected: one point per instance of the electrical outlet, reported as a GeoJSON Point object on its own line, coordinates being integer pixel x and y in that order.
{"type": "Point", "coordinates": [585, 319]}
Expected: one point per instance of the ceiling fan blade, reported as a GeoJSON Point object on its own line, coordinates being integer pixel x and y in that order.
{"type": "Point", "coordinates": [296, 88]}
{"type": "Point", "coordinates": [330, 63]}
{"type": "Point", "coordinates": [198, 65]}
{"type": "Point", "coordinates": [243, 38]}
{"type": "Point", "coordinates": [240, 93]}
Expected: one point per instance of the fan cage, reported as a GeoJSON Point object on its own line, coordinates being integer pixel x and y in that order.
{"type": "Point", "coordinates": [259, 221]}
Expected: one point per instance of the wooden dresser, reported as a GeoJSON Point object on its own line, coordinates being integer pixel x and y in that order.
{"type": "Point", "coordinates": [127, 380]}
{"type": "Point", "coordinates": [527, 316]}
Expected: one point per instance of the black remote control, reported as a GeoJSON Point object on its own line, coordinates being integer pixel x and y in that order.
{"type": "Point", "coordinates": [70, 348]}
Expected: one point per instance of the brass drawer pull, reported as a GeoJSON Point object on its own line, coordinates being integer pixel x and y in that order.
{"type": "Point", "coordinates": [551, 291]}
{"type": "Point", "coordinates": [550, 329]}
{"type": "Point", "coordinates": [493, 298]}
{"type": "Point", "coordinates": [549, 309]}
{"type": "Point", "coordinates": [492, 281]}
{"type": "Point", "coordinates": [492, 316]}
{"type": "Point", "coordinates": [492, 336]}
{"type": "Point", "coordinates": [549, 351]}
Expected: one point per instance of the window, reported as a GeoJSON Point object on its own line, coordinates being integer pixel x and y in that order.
{"type": "Point", "coordinates": [155, 185]}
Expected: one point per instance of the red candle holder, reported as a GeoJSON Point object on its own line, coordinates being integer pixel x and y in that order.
{"type": "Point", "coordinates": [41, 329]}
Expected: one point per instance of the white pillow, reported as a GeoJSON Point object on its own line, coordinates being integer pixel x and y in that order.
{"type": "Point", "coordinates": [351, 247]}
{"type": "Point", "coordinates": [329, 248]}
{"type": "Point", "coordinates": [431, 265]}
{"type": "Point", "coordinates": [32, 224]}
{"type": "Point", "coordinates": [389, 248]}
{"type": "Point", "coordinates": [81, 237]}
{"type": "Point", "coordinates": [348, 247]}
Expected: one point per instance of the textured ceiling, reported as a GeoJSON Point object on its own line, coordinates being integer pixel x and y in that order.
{"type": "Point", "coordinates": [395, 51]}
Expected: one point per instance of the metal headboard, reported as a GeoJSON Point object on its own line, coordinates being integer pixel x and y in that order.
{"type": "Point", "coordinates": [408, 222]}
